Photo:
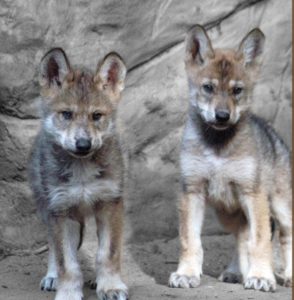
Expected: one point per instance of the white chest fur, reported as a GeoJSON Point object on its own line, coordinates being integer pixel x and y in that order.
{"type": "Point", "coordinates": [84, 185]}
{"type": "Point", "coordinates": [220, 173]}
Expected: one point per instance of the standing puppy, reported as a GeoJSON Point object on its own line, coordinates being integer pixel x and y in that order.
{"type": "Point", "coordinates": [233, 160]}
{"type": "Point", "coordinates": [76, 170]}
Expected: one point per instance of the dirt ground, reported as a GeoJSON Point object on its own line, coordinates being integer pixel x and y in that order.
{"type": "Point", "coordinates": [146, 268]}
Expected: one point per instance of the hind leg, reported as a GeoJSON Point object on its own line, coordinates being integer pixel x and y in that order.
{"type": "Point", "coordinates": [286, 244]}
{"type": "Point", "coordinates": [232, 222]}
{"type": "Point", "coordinates": [232, 273]}
{"type": "Point", "coordinates": [282, 210]}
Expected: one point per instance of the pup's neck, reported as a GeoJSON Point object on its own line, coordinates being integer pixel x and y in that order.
{"type": "Point", "coordinates": [213, 138]}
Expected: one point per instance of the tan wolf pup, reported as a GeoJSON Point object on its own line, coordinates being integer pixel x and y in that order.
{"type": "Point", "coordinates": [233, 160]}
{"type": "Point", "coordinates": [76, 171]}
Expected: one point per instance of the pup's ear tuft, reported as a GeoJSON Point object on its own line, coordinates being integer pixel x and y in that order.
{"type": "Point", "coordinates": [251, 47]}
{"type": "Point", "coordinates": [198, 46]}
{"type": "Point", "coordinates": [54, 67]}
{"type": "Point", "coordinates": [111, 73]}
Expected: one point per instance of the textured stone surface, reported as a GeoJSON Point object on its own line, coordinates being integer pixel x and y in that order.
{"type": "Point", "coordinates": [149, 36]}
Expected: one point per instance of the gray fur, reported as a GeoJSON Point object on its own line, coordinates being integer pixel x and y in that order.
{"type": "Point", "coordinates": [76, 168]}
{"type": "Point", "coordinates": [51, 167]}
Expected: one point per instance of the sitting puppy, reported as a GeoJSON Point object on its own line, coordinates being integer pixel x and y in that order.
{"type": "Point", "coordinates": [76, 170]}
{"type": "Point", "coordinates": [233, 160]}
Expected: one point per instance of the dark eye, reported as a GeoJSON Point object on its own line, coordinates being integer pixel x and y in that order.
{"type": "Point", "coordinates": [96, 116]}
{"type": "Point", "coordinates": [237, 90]}
{"type": "Point", "coordinates": [67, 115]}
{"type": "Point", "coordinates": [208, 88]}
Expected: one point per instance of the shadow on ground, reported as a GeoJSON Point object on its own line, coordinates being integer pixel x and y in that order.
{"type": "Point", "coordinates": [146, 268]}
{"type": "Point", "coordinates": [160, 257]}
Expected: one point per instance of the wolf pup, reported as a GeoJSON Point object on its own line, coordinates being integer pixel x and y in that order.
{"type": "Point", "coordinates": [76, 170]}
{"type": "Point", "coordinates": [233, 160]}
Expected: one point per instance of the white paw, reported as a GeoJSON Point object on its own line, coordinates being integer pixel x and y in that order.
{"type": "Point", "coordinates": [111, 287]}
{"type": "Point", "coordinates": [183, 281]}
{"type": "Point", "coordinates": [260, 284]}
{"type": "Point", "coordinates": [113, 295]}
{"type": "Point", "coordinates": [49, 283]}
{"type": "Point", "coordinates": [69, 294]}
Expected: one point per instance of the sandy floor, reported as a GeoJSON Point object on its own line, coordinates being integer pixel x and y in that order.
{"type": "Point", "coordinates": [146, 269]}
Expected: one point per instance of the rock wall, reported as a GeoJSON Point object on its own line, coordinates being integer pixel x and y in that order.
{"type": "Point", "coordinates": [149, 36]}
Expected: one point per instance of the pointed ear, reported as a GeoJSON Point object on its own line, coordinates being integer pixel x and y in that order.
{"type": "Point", "coordinates": [111, 74]}
{"type": "Point", "coordinates": [53, 68]}
{"type": "Point", "coordinates": [251, 47]}
{"type": "Point", "coordinates": [198, 46]}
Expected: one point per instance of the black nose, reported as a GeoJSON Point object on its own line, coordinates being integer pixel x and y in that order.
{"type": "Point", "coordinates": [222, 115]}
{"type": "Point", "coordinates": [83, 145]}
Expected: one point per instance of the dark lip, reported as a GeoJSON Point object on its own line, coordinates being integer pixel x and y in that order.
{"type": "Point", "coordinates": [81, 154]}
{"type": "Point", "coordinates": [219, 126]}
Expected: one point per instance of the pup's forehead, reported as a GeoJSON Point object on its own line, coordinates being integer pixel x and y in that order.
{"type": "Point", "coordinates": [81, 93]}
{"type": "Point", "coordinates": [224, 67]}
{"type": "Point", "coordinates": [80, 82]}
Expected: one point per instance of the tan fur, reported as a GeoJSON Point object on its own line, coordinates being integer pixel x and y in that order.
{"type": "Point", "coordinates": [240, 176]}
{"type": "Point", "coordinates": [189, 249]}
{"type": "Point", "coordinates": [112, 213]}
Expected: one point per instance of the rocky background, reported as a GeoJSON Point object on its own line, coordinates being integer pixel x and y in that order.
{"type": "Point", "coordinates": [149, 36]}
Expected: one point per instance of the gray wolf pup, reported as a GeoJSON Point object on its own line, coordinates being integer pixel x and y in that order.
{"type": "Point", "coordinates": [76, 170]}
{"type": "Point", "coordinates": [236, 162]}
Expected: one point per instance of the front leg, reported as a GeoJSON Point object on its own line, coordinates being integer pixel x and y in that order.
{"type": "Point", "coordinates": [66, 237]}
{"type": "Point", "coordinates": [191, 211]}
{"type": "Point", "coordinates": [109, 220]}
{"type": "Point", "coordinates": [49, 281]}
{"type": "Point", "coordinates": [260, 274]}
